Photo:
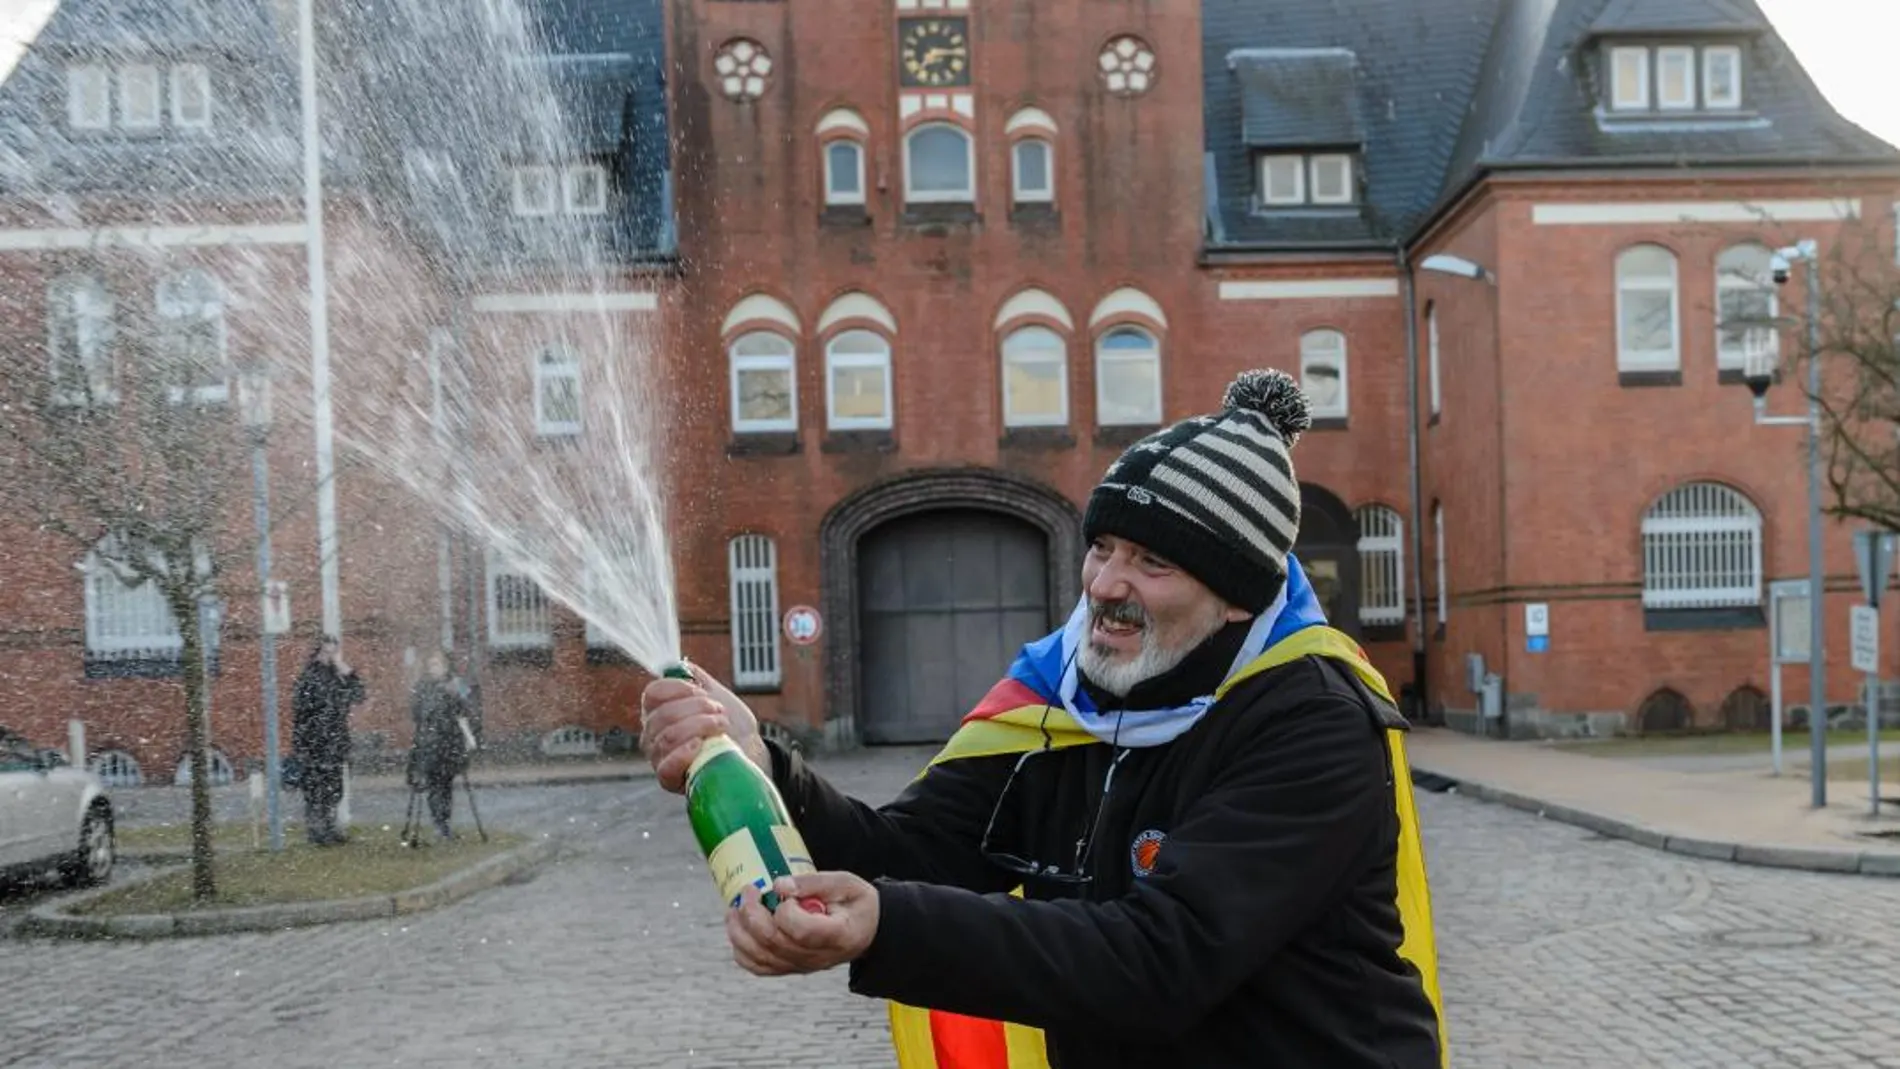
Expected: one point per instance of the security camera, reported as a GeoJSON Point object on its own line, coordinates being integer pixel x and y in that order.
{"type": "Point", "coordinates": [1778, 269]}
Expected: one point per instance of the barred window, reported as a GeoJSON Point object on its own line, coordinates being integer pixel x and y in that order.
{"type": "Point", "coordinates": [519, 616]}
{"type": "Point", "coordinates": [1381, 566]}
{"type": "Point", "coordinates": [754, 577]}
{"type": "Point", "coordinates": [128, 618]}
{"type": "Point", "coordinates": [1701, 549]}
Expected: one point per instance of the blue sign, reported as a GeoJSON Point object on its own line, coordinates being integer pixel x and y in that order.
{"type": "Point", "coordinates": [1537, 643]}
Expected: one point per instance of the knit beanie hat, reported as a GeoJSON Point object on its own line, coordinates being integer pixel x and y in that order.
{"type": "Point", "coordinates": [1215, 494]}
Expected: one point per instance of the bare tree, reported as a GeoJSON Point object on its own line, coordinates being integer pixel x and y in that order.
{"type": "Point", "coordinates": [123, 439]}
{"type": "Point", "coordinates": [1858, 335]}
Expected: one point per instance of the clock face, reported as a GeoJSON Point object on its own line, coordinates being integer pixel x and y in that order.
{"type": "Point", "coordinates": [935, 52]}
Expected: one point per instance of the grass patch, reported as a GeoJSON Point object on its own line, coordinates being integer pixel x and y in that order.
{"type": "Point", "coordinates": [1741, 742]}
{"type": "Point", "coordinates": [373, 862]}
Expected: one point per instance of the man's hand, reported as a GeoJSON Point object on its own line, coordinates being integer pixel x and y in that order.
{"type": "Point", "coordinates": [676, 716]}
{"type": "Point", "coordinates": [798, 940]}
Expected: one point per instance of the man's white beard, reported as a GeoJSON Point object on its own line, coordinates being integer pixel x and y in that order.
{"type": "Point", "coordinates": [1106, 669]}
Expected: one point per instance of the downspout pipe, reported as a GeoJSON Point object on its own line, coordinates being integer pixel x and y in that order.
{"type": "Point", "coordinates": [1407, 284]}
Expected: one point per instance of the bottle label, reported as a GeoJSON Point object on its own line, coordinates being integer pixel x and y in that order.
{"type": "Point", "coordinates": [792, 845]}
{"type": "Point", "coordinates": [735, 863]}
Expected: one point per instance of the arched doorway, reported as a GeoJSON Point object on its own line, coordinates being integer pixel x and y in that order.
{"type": "Point", "coordinates": [1664, 711]}
{"type": "Point", "coordinates": [1747, 709]}
{"type": "Point", "coordinates": [1328, 547]}
{"type": "Point", "coordinates": [870, 538]}
{"type": "Point", "coordinates": [945, 598]}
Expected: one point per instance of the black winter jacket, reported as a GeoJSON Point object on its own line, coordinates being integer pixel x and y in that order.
{"type": "Point", "coordinates": [1266, 934]}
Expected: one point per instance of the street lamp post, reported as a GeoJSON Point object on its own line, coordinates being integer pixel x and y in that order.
{"type": "Point", "coordinates": [254, 406]}
{"type": "Point", "coordinates": [1758, 371]}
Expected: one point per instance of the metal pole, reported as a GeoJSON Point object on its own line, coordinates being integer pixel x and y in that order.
{"type": "Point", "coordinates": [267, 640]}
{"type": "Point", "coordinates": [319, 324]}
{"type": "Point", "coordinates": [1414, 489]}
{"type": "Point", "coordinates": [1774, 724]}
{"type": "Point", "coordinates": [1817, 575]}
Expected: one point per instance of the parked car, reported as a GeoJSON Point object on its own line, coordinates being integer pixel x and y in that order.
{"type": "Point", "coordinates": [52, 816]}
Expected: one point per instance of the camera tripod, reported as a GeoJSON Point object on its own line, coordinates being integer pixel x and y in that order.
{"type": "Point", "coordinates": [412, 823]}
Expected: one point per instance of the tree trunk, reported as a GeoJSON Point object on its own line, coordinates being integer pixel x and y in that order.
{"type": "Point", "coordinates": [203, 884]}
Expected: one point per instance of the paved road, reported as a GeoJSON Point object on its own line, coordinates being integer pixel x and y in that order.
{"type": "Point", "coordinates": [1560, 950]}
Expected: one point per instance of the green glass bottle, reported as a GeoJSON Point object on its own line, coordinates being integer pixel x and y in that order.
{"type": "Point", "coordinates": [741, 822]}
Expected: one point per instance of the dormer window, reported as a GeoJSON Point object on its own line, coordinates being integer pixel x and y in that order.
{"type": "Point", "coordinates": [1674, 78]}
{"type": "Point", "coordinates": [574, 189]}
{"type": "Point", "coordinates": [1290, 180]}
{"type": "Point", "coordinates": [191, 97]}
{"type": "Point", "coordinates": [143, 94]}
{"type": "Point", "coordinates": [89, 97]}
{"type": "Point", "coordinates": [138, 97]}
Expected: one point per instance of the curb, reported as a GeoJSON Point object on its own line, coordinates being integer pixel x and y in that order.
{"type": "Point", "coordinates": [50, 919]}
{"type": "Point", "coordinates": [1809, 859]}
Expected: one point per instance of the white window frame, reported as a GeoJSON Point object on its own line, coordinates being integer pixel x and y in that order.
{"type": "Point", "coordinates": [786, 362]}
{"type": "Point", "coordinates": [77, 97]}
{"type": "Point", "coordinates": [1299, 180]}
{"type": "Point", "coordinates": [1344, 162]}
{"type": "Point", "coordinates": [212, 309]}
{"type": "Point", "coordinates": [571, 179]}
{"type": "Point", "coordinates": [522, 206]}
{"type": "Point", "coordinates": [535, 638]}
{"type": "Point", "coordinates": [1105, 356]}
{"type": "Point", "coordinates": [1435, 389]}
{"type": "Point", "coordinates": [129, 119]}
{"type": "Point", "coordinates": [1686, 55]}
{"type": "Point", "coordinates": [752, 583]}
{"type": "Point", "coordinates": [180, 76]}
{"type": "Point", "coordinates": [1059, 356]}
{"type": "Point", "coordinates": [1622, 98]}
{"type": "Point", "coordinates": [1702, 549]}
{"type": "Point", "coordinates": [1310, 356]}
{"type": "Point", "coordinates": [832, 194]}
{"type": "Point", "coordinates": [151, 633]}
{"type": "Point", "coordinates": [67, 328]}
{"type": "Point", "coordinates": [1381, 551]}
{"type": "Point", "coordinates": [966, 195]}
{"type": "Point", "coordinates": [1023, 194]}
{"type": "Point", "coordinates": [568, 369]}
{"type": "Point", "coordinates": [1658, 359]}
{"type": "Point", "coordinates": [1733, 99]}
{"type": "Point", "coordinates": [1732, 357]}
{"type": "Point", "coordinates": [836, 361]}
{"type": "Point", "coordinates": [1438, 565]}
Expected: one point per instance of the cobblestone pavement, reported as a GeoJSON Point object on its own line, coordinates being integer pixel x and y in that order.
{"type": "Point", "coordinates": [1559, 950]}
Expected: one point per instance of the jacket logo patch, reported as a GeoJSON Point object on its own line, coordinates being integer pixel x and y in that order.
{"type": "Point", "coordinates": [1144, 851]}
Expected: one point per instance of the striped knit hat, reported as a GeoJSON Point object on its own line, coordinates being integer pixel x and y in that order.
{"type": "Point", "coordinates": [1215, 494]}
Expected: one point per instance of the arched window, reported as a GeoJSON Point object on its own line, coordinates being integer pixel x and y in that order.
{"type": "Point", "coordinates": [1438, 564]}
{"type": "Point", "coordinates": [844, 171]}
{"type": "Point", "coordinates": [1744, 299]}
{"type": "Point", "coordinates": [939, 166]}
{"type": "Point", "coordinates": [1647, 335]}
{"type": "Point", "coordinates": [1035, 378]}
{"type": "Point", "coordinates": [752, 573]}
{"type": "Point", "coordinates": [557, 392]}
{"type": "Point", "coordinates": [858, 382]}
{"type": "Point", "coordinates": [1381, 566]}
{"type": "Point", "coordinates": [1323, 372]}
{"type": "Point", "coordinates": [191, 341]}
{"type": "Point", "coordinates": [79, 333]}
{"type": "Point", "coordinates": [1127, 378]}
{"type": "Point", "coordinates": [764, 388]}
{"type": "Point", "coordinates": [1701, 549]}
{"type": "Point", "coordinates": [1032, 170]}
{"type": "Point", "coordinates": [1431, 365]}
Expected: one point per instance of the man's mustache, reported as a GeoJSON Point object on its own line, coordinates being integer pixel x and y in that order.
{"type": "Point", "coordinates": [1124, 612]}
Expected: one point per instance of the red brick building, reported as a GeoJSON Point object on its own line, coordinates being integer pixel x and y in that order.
{"type": "Point", "coordinates": [937, 263]}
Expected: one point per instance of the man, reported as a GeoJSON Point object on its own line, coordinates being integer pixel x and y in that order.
{"type": "Point", "coordinates": [1196, 791]}
{"type": "Point", "coordinates": [320, 736]}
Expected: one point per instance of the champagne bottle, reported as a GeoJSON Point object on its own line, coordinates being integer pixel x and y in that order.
{"type": "Point", "coordinates": [741, 822]}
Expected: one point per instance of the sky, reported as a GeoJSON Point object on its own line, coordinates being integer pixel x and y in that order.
{"type": "Point", "coordinates": [1846, 46]}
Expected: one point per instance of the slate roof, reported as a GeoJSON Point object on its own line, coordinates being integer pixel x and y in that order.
{"type": "Point", "coordinates": [1297, 97]}
{"type": "Point", "coordinates": [1452, 89]}
{"type": "Point", "coordinates": [424, 110]}
{"type": "Point", "coordinates": [250, 149]}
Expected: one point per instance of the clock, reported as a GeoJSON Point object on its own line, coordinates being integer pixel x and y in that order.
{"type": "Point", "coordinates": [935, 52]}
